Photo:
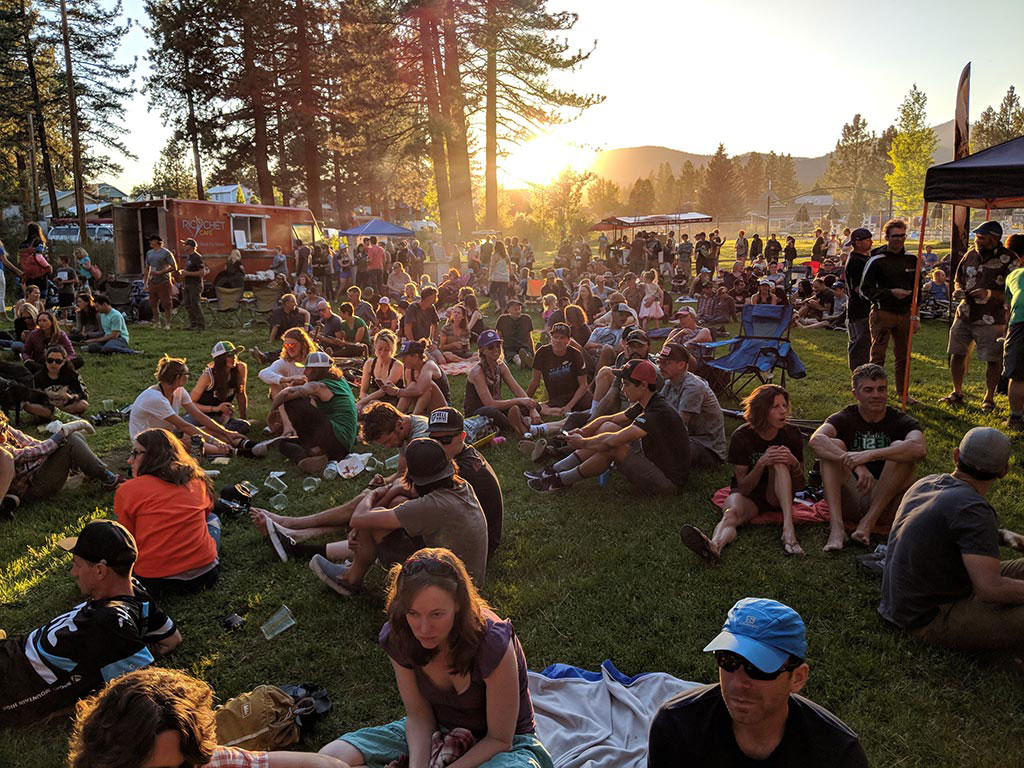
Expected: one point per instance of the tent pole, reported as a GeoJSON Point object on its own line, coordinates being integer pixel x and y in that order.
{"type": "Point", "coordinates": [913, 309]}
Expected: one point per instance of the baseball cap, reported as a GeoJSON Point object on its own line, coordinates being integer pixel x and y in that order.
{"type": "Point", "coordinates": [838, 284]}
{"type": "Point", "coordinates": [426, 461]}
{"type": "Point", "coordinates": [637, 336]}
{"type": "Point", "coordinates": [319, 360]}
{"type": "Point", "coordinates": [985, 449]}
{"type": "Point", "coordinates": [102, 541]}
{"type": "Point", "coordinates": [384, 300]}
{"type": "Point", "coordinates": [990, 228]}
{"type": "Point", "coordinates": [764, 282]}
{"type": "Point", "coordinates": [860, 233]}
{"type": "Point", "coordinates": [764, 632]}
{"type": "Point", "coordinates": [685, 311]}
{"type": "Point", "coordinates": [562, 329]}
{"type": "Point", "coordinates": [225, 348]}
{"type": "Point", "coordinates": [639, 371]}
{"type": "Point", "coordinates": [409, 348]}
{"type": "Point", "coordinates": [446, 419]}
{"type": "Point", "coordinates": [675, 352]}
{"type": "Point", "coordinates": [189, 241]}
{"type": "Point", "coordinates": [487, 337]}
{"type": "Point", "coordinates": [624, 308]}
{"type": "Point", "coordinates": [514, 301]}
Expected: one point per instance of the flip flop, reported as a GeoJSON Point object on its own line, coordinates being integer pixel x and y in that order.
{"type": "Point", "coordinates": [695, 540]}
{"type": "Point", "coordinates": [791, 553]}
{"type": "Point", "coordinates": [988, 406]}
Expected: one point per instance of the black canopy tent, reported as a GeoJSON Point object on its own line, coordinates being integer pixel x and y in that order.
{"type": "Point", "coordinates": [992, 178]}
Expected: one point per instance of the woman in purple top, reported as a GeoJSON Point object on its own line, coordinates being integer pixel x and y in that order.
{"type": "Point", "coordinates": [457, 665]}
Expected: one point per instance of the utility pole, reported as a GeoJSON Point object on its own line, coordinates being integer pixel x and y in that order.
{"type": "Point", "coordinates": [76, 144]}
{"type": "Point", "coordinates": [890, 203]}
{"type": "Point", "coordinates": [768, 210]}
{"type": "Point", "coordinates": [32, 167]}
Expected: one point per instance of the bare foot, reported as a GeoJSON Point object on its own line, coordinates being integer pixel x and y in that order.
{"type": "Point", "coordinates": [792, 547]}
{"type": "Point", "coordinates": [835, 542]}
{"type": "Point", "coordinates": [862, 537]}
{"type": "Point", "coordinates": [259, 519]}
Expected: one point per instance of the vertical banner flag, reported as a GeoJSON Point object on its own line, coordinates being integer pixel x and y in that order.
{"type": "Point", "coordinates": [961, 215]}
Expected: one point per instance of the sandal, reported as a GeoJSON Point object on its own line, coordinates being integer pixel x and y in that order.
{"type": "Point", "coordinates": [698, 543]}
{"type": "Point", "coordinates": [953, 399]}
{"type": "Point", "coordinates": [988, 406]}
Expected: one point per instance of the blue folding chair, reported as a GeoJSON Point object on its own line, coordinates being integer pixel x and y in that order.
{"type": "Point", "coordinates": [762, 346]}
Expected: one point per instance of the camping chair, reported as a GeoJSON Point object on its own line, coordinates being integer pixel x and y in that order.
{"type": "Point", "coordinates": [762, 346]}
{"type": "Point", "coordinates": [227, 304]}
{"type": "Point", "coordinates": [265, 298]}
{"type": "Point", "coordinates": [534, 291]}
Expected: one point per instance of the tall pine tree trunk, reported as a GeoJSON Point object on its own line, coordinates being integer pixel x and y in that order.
{"type": "Point", "coordinates": [76, 143]}
{"type": "Point", "coordinates": [37, 109]}
{"type": "Point", "coordinates": [192, 128]}
{"type": "Point", "coordinates": [282, 159]}
{"type": "Point", "coordinates": [434, 121]}
{"type": "Point", "coordinates": [307, 112]}
{"type": "Point", "coordinates": [458, 149]}
{"type": "Point", "coordinates": [491, 119]}
{"type": "Point", "coordinates": [254, 92]}
{"type": "Point", "coordinates": [340, 204]}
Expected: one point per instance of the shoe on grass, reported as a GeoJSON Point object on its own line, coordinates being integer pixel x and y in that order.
{"type": "Point", "coordinates": [113, 483]}
{"type": "Point", "coordinates": [953, 400]}
{"type": "Point", "coordinates": [533, 449]}
{"type": "Point", "coordinates": [695, 540]}
{"type": "Point", "coordinates": [526, 357]}
{"type": "Point", "coordinates": [313, 465]}
{"type": "Point", "coordinates": [8, 504]}
{"type": "Point", "coordinates": [539, 474]}
{"type": "Point", "coordinates": [546, 484]}
{"type": "Point", "coordinates": [333, 575]}
{"type": "Point", "coordinates": [988, 406]}
{"type": "Point", "coordinates": [283, 544]}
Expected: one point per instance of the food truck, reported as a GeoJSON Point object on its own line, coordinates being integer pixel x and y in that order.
{"type": "Point", "coordinates": [217, 228]}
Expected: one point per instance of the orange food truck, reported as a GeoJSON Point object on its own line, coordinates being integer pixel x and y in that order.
{"type": "Point", "coordinates": [217, 228]}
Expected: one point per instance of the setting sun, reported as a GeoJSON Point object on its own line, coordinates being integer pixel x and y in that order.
{"type": "Point", "coordinates": [541, 159]}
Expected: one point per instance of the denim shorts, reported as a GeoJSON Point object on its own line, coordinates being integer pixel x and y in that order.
{"type": "Point", "coordinates": [381, 744]}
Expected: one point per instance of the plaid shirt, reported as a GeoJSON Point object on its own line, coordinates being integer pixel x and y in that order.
{"type": "Point", "coordinates": [232, 757]}
{"type": "Point", "coordinates": [29, 455]}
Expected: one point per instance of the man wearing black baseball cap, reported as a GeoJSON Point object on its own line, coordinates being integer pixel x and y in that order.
{"type": "Point", "coordinates": [980, 322]}
{"type": "Point", "coordinates": [444, 513]}
{"type": "Point", "coordinates": [564, 373]}
{"type": "Point", "coordinates": [858, 307]}
{"type": "Point", "coordinates": [648, 441]}
{"type": "Point", "coordinates": [118, 629]}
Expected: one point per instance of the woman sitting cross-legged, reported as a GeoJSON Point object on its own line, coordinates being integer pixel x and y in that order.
{"type": "Point", "coordinates": [61, 383]}
{"type": "Point", "coordinates": [454, 344]}
{"type": "Point", "coordinates": [379, 370]}
{"type": "Point", "coordinates": [483, 390]}
{"type": "Point", "coordinates": [425, 384]}
{"type": "Point", "coordinates": [220, 386]}
{"type": "Point", "coordinates": [168, 507]}
{"type": "Point", "coordinates": [461, 673]}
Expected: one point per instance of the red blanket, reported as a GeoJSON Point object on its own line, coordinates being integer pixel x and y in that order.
{"type": "Point", "coordinates": [802, 513]}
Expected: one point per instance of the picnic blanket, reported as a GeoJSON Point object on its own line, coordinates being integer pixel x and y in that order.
{"type": "Point", "coordinates": [598, 719]}
{"type": "Point", "coordinates": [461, 368]}
{"type": "Point", "coordinates": [802, 513]}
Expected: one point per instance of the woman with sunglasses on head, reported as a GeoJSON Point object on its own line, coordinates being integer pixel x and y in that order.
{"type": "Point", "coordinates": [457, 665]}
{"type": "Point", "coordinates": [61, 384]}
{"type": "Point", "coordinates": [168, 508]}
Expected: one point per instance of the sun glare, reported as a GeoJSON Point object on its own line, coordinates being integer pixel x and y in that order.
{"type": "Point", "coordinates": [540, 160]}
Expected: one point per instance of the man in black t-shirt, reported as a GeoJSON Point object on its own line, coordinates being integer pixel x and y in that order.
{"type": "Point", "coordinates": [421, 319]}
{"type": "Point", "coordinates": [286, 316]}
{"type": "Point", "coordinates": [192, 284]}
{"type": "Point", "coordinates": [648, 441]}
{"type": "Point", "coordinates": [516, 328]}
{"type": "Point", "coordinates": [868, 453]}
{"type": "Point", "coordinates": [767, 456]}
{"type": "Point", "coordinates": [754, 715]}
{"type": "Point", "coordinates": [118, 629]}
{"type": "Point", "coordinates": [858, 309]}
{"type": "Point", "coordinates": [447, 428]}
{"type": "Point", "coordinates": [564, 373]}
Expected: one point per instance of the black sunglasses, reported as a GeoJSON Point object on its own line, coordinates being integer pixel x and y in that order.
{"type": "Point", "coordinates": [429, 564]}
{"type": "Point", "coordinates": [55, 360]}
{"type": "Point", "coordinates": [730, 662]}
{"type": "Point", "coordinates": [442, 439]}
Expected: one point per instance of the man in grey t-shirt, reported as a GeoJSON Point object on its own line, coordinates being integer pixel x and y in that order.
{"type": "Point", "coordinates": [694, 401]}
{"type": "Point", "coordinates": [943, 581]}
{"type": "Point", "coordinates": [159, 267]}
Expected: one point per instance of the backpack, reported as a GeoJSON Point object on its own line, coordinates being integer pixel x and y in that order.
{"type": "Point", "coordinates": [261, 719]}
{"type": "Point", "coordinates": [32, 263]}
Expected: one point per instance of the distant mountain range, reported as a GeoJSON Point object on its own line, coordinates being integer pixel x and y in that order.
{"type": "Point", "coordinates": [623, 166]}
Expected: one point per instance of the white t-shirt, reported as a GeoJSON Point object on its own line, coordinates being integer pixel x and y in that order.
{"type": "Point", "coordinates": [151, 409]}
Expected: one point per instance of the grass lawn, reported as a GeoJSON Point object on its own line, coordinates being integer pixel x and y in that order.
{"type": "Point", "coordinates": [588, 575]}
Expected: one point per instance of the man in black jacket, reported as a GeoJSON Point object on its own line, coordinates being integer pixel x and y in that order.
{"type": "Point", "coordinates": [858, 308]}
{"type": "Point", "coordinates": [888, 282]}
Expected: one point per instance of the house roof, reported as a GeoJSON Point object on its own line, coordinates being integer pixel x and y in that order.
{"type": "Point", "coordinates": [223, 188]}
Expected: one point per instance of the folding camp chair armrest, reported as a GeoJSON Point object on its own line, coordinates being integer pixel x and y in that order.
{"type": "Point", "coordinates": [716, 344]}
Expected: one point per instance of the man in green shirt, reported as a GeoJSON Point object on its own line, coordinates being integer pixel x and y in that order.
{"type": "Point", "coordinates": [325, 431]}
{"type": "Point", "coordinates": [1013, 347]}
{"type": "Point", "coordinates": [344, 334]}
{"type": "Point", "coordinates": [115, 336]}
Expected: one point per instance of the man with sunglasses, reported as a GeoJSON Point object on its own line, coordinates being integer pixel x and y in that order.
{"type": "Point", "coordinates": [888, 282]}
{"type": "Point", "coordinates": [754, 714]}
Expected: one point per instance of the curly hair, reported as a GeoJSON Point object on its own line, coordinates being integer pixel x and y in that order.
{"type": "Point", "coordinates": [118, 727]}
{"type": "Point", "coordinates": [436, 567]}
{"type": "Point", "coordinates": [757, 404]}
{"type": "Point", "coordinates": [165, 457]}
{"type": "Point", "coordinates": [379, 419]}
{"type": "Point", "coordinates": [302, 337]}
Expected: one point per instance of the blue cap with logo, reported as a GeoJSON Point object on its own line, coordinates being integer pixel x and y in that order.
{"type": "Point", "coordinates": [487, 337]}
{"type": "Point", "coordinates": [990, 228]}
{"type": "Point", "coordinates": [764, 632]}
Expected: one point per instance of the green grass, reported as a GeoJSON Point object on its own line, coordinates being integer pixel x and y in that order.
{"type": "Point", "coordinates": [587, 575]}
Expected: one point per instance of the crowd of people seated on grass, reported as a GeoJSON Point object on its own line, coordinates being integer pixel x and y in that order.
{"type": "Point", "coordinates": [603, 400]}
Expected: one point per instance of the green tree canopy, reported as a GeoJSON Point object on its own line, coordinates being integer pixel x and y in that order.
{"type": "Point", "coordinates": [721, 194]}
{"type": "Point", "coordinates": [911, 153]}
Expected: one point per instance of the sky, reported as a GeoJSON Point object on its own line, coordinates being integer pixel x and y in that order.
{"type": "Point", "coordinates": [755, 76]}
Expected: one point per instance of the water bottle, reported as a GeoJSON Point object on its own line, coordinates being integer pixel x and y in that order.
{"type": "Point", "coordinates": [602, 479]}
{"type": "Point", "coordinates": [332, 470]}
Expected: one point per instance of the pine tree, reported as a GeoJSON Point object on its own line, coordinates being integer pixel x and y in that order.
{"type": "Point", "coordinates": [604, 197]}
{"type": "Point", "coordinates": [720, 194]}
{"type": "Point", "coordinates": [994, 127]}
{"type": "Point", "coordinates": [688, 183]}
{"type": "Point", "coordinates": [754, 180]}
{"type": "Point", "coordinates": [856, 168]}
{"type": "Point", "coordinates": [642, 198]}
{"type": "Point", "coordinates": [665, 190]}
{"type": "Point", "coordinates": [911, 153]}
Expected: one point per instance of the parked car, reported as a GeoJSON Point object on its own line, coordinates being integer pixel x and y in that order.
{"type": "Point", "coordinates": [99, 233]}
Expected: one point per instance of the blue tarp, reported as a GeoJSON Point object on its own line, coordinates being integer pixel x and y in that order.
{"type": "Point", "coordinates": [377, 227]}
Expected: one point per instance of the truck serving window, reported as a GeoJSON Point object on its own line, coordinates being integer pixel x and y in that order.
{"type": "Point", "coordinates": [253, 227]}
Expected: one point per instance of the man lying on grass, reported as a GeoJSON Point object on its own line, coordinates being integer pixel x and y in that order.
{"type": "Point", "coordinates": [868, 453]}
{"type": "Point", "coordinates": [648, 441]}
{"type": "Point", "coordinates": [767, 456]}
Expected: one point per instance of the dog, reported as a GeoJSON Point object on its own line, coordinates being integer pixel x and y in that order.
{"type": "Point", "coordinates": [16, 387]}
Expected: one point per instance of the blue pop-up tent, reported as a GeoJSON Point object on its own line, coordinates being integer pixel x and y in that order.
{"type": "Point", "coordinates": [377, 227]}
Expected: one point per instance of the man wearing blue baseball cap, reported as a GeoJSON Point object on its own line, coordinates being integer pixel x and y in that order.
{"type": "Point", "coordinates": [754, 714]}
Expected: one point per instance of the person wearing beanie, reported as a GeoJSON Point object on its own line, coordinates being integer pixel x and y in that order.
{"type": "Point", "coordinates": [943, 582]}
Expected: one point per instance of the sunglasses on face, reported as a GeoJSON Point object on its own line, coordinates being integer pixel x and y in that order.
{"type": "Point", "coordinates": [731, 662]}
{"type": "Point", "coordinates": [55, 360]}
{"type": "Point", "coordinates": [443, 439]}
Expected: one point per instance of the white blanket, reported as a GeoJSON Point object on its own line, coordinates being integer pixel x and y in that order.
{"type": "Point", "coordinates": [603, 723]}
